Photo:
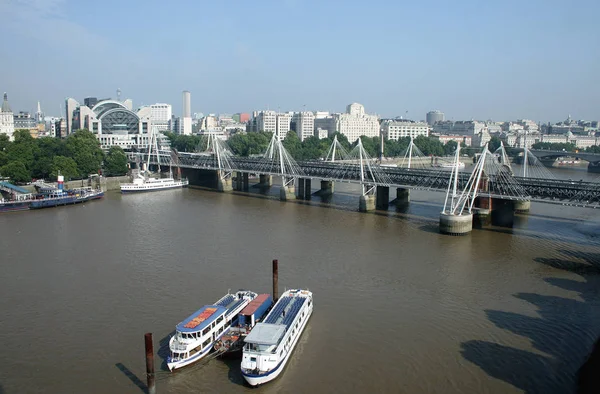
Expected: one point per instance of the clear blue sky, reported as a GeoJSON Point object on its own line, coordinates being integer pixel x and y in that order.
{"type": "Point", "coordinates": [471, 59]}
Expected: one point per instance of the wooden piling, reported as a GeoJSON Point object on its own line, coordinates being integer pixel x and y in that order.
{"type": "Point", "coordinates": [275, 280]}
{"type": "Point", "coordinates": [150, 363]}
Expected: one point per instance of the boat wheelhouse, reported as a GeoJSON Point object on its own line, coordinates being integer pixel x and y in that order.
{"type": "Point", "coordinates": [269, 345]}
{"type": "Point", "coordinates": [195, 336]}
{"type": "Point", "coordinates": [233, 340]}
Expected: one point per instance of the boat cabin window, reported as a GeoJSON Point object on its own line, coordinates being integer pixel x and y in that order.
{"type": "Point", "coordinates": [220, 319]}
{"type": "Point", "coordinates": [206, 330]}
{"type": "Point", "coordinates": [206, 343]}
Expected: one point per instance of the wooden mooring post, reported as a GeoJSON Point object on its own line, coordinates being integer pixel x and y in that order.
{"type": "Point", "coordinates": [275, 280]}
{"type": "Point", "coordinates": [149, 363]}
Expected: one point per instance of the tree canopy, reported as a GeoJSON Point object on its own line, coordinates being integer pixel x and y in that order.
{"type": "Point", "coordinates": [115, 162]}
{"type": "Point", "coordinates": [64, 166]}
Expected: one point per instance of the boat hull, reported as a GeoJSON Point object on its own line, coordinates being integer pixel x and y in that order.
{"type": "Point", "coordinates": [14, 206]}
{"type": "Point", "coordinates": [190, 360]}
{"type": "Point", "coordinates": [258, 379]}
{"type": "Point", "coordinates": [137, 189]}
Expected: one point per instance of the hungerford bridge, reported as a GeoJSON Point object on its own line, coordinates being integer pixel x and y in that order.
{"type": "Point", "coordinates": [491, 192]}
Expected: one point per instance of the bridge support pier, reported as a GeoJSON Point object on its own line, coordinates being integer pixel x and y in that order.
{"type": "Point", "coordinates": [304, 188]}
{"type": "Point", "coordinates": [503, 212]}
{"type": "Point", "coordinates": [522, 206]}
{"type": "Point", "coordinates": [456, 224]}
{"type": "Point", "coordinates": [366, 203]}
{"type": "Point", "coordinates": [402, 196]}
{"type": "Point", "coordinates": [237, 185]}
{"type": "Point", "coordinates": [482, 215]}
{"type": "Point", "coordinates": [382, 197]}
{"type": "Point", "coordinates": [265, 180]}
{"type": "Point", "coordinates": [326, 188]}
{"type": "Point", "coordinates": [245, 181]}
{"type": "Point", "coordinates": [224, 184]}
{"type": "Point", "coordinates": [287, 193]}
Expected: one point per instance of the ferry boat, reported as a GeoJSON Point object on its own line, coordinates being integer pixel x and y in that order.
{"type": "Point", "coordinates": [269, 345]}
{"type": "Point", "coordinates": [233, 339]}
{"type": "Point", "coordinates": [145, 183]}
{"type": "Point", "coordinates": [450, 165]}
{"type": "Point", "coordinates": [48, 197]}
{"type": "Point", "coordinates": [195, 336]}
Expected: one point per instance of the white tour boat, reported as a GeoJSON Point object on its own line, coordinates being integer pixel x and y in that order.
{"type": "Point", "coordinates": [145, 183]}
{"type": "Point", "coordinates": [269, 345]}
{"type": "Point", "coordinates": [196, 335]}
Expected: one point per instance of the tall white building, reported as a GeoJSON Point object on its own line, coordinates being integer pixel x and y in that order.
{"type": "Point", "coordinates": [266, 121]}
{"type": "Point", "coordinates": [160, 115]}
{"type": "Point", "coordinates": [187, 113]}
{"type": "Point", "coordinates": [283, 125]}
{"type": "Point", "coordinates": [396, 129]}
{"type": "Point", "coordinates": [7, 119]}
{"type": "Point", "coordinates": [355, 123]}
{"type": "Point", "coordinates": [304, 123]}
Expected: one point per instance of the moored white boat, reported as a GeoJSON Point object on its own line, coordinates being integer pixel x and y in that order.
{"type": "Point", "coordinates": [148, 184]}
{"type": "Point", "coordinates": [269, 345]}
{"type": "Point", "coordinates": [143, 182]}
{"type": "Point", "coordinates": [195, 336]}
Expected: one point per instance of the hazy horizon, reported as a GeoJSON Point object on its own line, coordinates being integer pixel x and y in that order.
{"type": "Point", "coordinates": [501, 61]}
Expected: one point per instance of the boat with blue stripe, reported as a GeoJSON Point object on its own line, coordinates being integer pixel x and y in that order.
{"type": "Point", "coordinates": [195, 336]}
{"type": "Point", "coordinates": [269, 345]}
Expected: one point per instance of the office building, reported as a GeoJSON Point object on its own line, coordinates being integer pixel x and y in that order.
{"type": "Point", "coordinates": [355, 123]}
{"type": "Point", "coordinates": [187, 113]}
{"type": "Point", "coordinates": [303, 123]}
{"type": "Point", "coordinates": [396, 129]}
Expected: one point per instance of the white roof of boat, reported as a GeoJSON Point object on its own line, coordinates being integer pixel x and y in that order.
{"type": "Point", "coordinates": [266, 334]}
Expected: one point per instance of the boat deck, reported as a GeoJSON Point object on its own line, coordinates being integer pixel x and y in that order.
{"type": "Point", "coordinates": [255, 304]}
{"type": "Point", "coordinates": [285, 311]}
{"type": "Point", "coordinates": [201, 319]}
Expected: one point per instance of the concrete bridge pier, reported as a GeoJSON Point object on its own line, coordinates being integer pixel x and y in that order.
{"type": "Point", "coordinates": [382, 197]}
{"type": "Point", "coordinates": [402, 196]}
{"type": "Point", "coordinates": [245, 181]}
{"type": "Point", "coordinates": [304, 188]}
{"type": "Point", "coordinates": [224, 184]}
{"type": "Point", "coordinates": [503, 212]}
{"type": "Point", "coordinates": [522, 206]}
{"type": "Point", "coordinates": [265, 180]}
{"type": "Point", "coordinates": [237, 184]}
{"type": "Point", "coordinates": [482, 215]}
{"type": "Point", "coordinates": [326, 188]}
{"type": "Point", "coordinates": [594, 166]}
{"type": "Point", "coordinates": [287, 193]}
{"type": "Point", "coordinates": [456, 224]}
{"type": "Point", "coordinates": [366, 203]}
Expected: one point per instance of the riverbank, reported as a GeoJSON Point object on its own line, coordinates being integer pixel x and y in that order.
{"type": "Point", "coordinates": [106, 183]}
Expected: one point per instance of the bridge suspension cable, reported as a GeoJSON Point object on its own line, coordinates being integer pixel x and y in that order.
{"type": "Point", "coordinates": [533, 168]}
{"type": "Point", "coordinates": [277, 160]}
{"type": "Point", "coordinates": [336, 152]}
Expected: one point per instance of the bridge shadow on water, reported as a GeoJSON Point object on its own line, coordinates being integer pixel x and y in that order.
{"type": "Point", "coordinates": [562, 335]}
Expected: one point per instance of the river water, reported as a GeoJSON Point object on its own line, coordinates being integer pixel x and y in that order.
{"type": "Point", "coordinates": [399, 308]}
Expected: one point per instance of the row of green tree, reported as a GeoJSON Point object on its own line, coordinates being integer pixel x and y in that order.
{"type": "Point", "coordinates": [75, 157]}
{"type": "Point", "coordinates": [312, 148]}
{"type": "Point", "coordinates": [560, 146]}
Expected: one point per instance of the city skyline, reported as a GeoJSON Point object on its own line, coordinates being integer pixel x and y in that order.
{"type": "Point", "coordinates": [469, 60]}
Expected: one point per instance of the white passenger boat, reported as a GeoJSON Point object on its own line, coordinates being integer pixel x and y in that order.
{"type": "Point", "coordinates": [195, 336]}
{"type": "Point", "coordinates": [143, 182]}
{"type": "Point", "coordinates": [269, 345]}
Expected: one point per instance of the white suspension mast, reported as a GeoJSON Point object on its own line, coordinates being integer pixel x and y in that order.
{"type": "Point", "coordinates": [410, 149]}
{"type": "Point", "coordinates": [150, 144]}
{"type": "Point", "coordinates": [525, 158]}
{"type": "Point", "coordinates": [456, 168]}
{"type": "Point", "coordinates": [362, 169]}
{"type": "Point", "coordinates": [480, 172]}
{"type": "Point", "coordinates": [335, 142]}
